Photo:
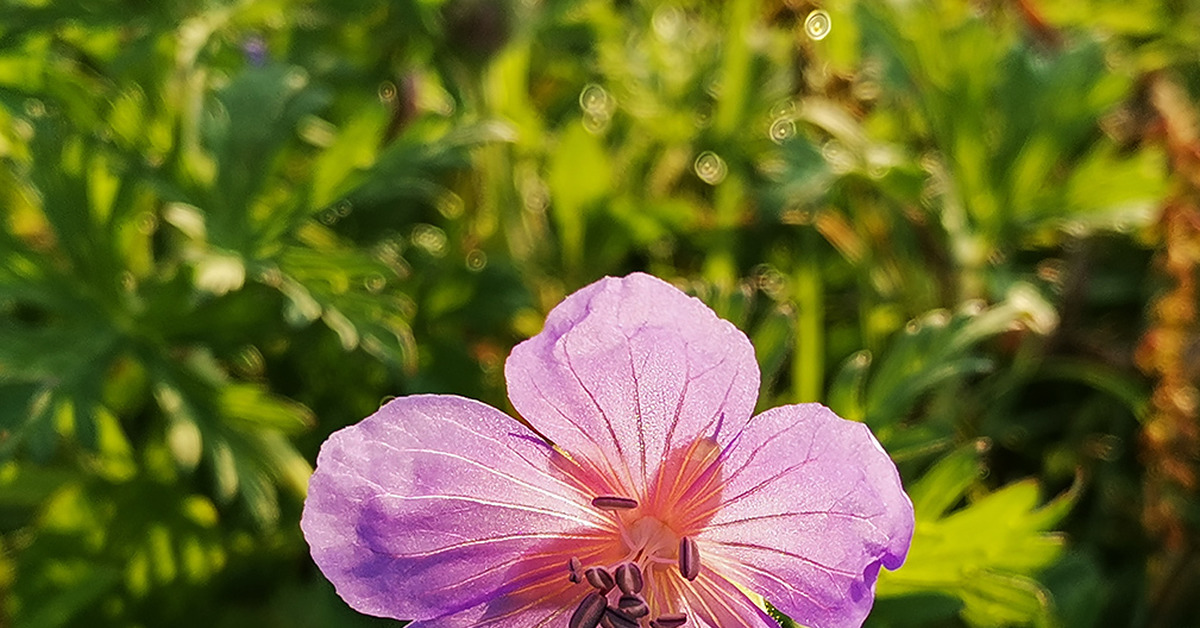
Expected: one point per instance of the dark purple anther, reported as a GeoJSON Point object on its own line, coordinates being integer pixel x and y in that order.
{"type": "Point", "coordinates": [590, 610]}
{"type": "Point", "coordinates": [629, 578]}
{"type": "Point", "coordinates": [633, 605]}
{"type": "Point", "coordinates": [689, 558]}
{"type": "Point", "coordinates": [576, 569]}
{"type": "Point", "coordinates": [614, 502]}
{"type": "Point", "coordinates": [600, 578]}
{"type": "Point", "coordinates": [674, 620]}
{"type": "Point", "coordinates": [618, 619]}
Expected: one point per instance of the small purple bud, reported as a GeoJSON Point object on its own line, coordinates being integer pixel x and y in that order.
{"type": "Point", "coordinates": [255, 50]}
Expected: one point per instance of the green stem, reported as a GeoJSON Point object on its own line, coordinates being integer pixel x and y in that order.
{"type": "Point", "coordinates": [808, 376]}
{"type": "Point", "coordinates": [721, 266]}
{"type": "Point", "coordinates": [735, 68]}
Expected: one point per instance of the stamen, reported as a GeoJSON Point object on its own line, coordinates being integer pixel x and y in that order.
{"type": "Point", "coordinates": [629, 578]}
{"type": "Point", "coordinates": [590, 610]}
{"type": "Point", "coordinates": [689, 558]}
{"type": "Point", "coordinates": [576, 569]}
{"type": "Point", "coordinates": [618, 619]}
{"type": "Point", "coordinates": [614, 502]}
{"type": "Point", "coordinates": [674, 620]}
{"type": "Point", "coordinates": [600, 578]}
{"type": "Point", "coordinates": [633, 605]}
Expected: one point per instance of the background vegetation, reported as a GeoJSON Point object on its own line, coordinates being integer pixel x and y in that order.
{"type": "Point", "coordinates": [230, 228]}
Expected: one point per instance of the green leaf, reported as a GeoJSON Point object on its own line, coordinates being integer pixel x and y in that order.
{"type": "Point", "coordinates": [945, 484]}
{"type": "Point", "coordinates": [255, 117]}
{"type": "Point", "coordinates": [254, 407]}
{"type": "Point", "coordinates": [86, 584]}
{"type": "Point", "coordinates": [412, 168]}
{"type": "Point", "coordinates": [926, 359]}
{"type": "Point", "coordinates": [986, 553]}
{"type": "Point", "coordinates": [345, 163]}
{"type": "Point", "coordinates": [247, 454]}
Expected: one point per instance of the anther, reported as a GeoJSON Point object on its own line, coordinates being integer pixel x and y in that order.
{"type": "Point", "coordinates": [633, 605]}
{"type": "Point", "coordinates": [614, 502]}
{"type": "Point", "coordinates": [590, 610]}
{"type": "Point", "coordinates": [689, 558]}
{"type": "Point", "coordinates": [576, 569]}
{"type": "Point", "coordinates": [674, 620]}
{"type": "Point", "coordinates": [629, 578]}
{"type": "Point", "coordinates": [618, 619]}
{"type": "Point", "coordinates": [600, 578]}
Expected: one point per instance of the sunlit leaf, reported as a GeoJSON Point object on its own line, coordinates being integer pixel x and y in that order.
{"type": "Point", "coordinates": [986, 553]}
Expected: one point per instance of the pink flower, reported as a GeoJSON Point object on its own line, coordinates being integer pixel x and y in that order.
{"type": "Point", "coordinates": [660, 501]}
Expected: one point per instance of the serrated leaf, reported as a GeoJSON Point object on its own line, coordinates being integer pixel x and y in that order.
{"type": "Point", "coordinates": [413, 167]}
{"type": "Point", "coordinates": [945, 483]}
{"type": "Point", "coordinates": [932, 351]}
{"type": "Point", "coordinates": [247, 454]}
{"type": "Point", "coordinates": [255, 407]}
{"type": "Point", "coordinates": [344, 164]}
{"type": "Point", "coordinates": [986, 553]}
{"type": "Point", "coordinates": [253, 120]}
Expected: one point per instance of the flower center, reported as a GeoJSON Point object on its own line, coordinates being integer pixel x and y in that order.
{"type": "Point", "coordinates": [649, 542]}
{"type": "Point", "coordinates": [624, 595]}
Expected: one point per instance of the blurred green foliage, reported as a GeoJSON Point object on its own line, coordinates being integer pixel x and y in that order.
{"type": "Point", "coordinates": [230, 228]}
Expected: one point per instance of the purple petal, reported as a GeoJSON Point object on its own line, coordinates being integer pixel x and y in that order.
{"type": "Point", "coordinates": [628, 369]}
{"type": "Point", "coordinates": [812, 508]}
{"type": "Point", "coordinates": [501, 615]}
{"type": "Point", "coordinates": [434, 504]}
{"type": "Point", "coordinates": [714, 602]}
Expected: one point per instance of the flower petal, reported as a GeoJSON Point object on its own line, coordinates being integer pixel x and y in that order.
{"type": "Point", "coordinates": [713, 601]}
{"type": "Point", "coordinates": [437, 504]}
{"type": "Point", "coordinates": [628, 369]}
{"type": "Point", "coordinates": [542, 602]}
{"type": "Point", "coordinates": [812, 507]}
